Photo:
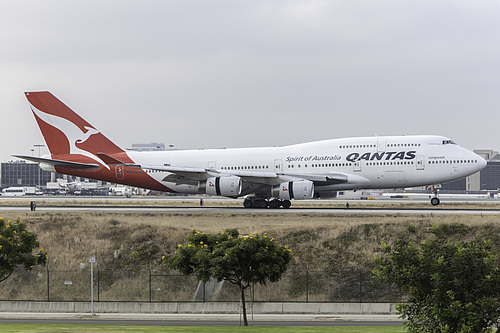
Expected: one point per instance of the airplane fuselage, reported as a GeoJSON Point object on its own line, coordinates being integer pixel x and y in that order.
{"type": "Point", "coordinates": [368, 162]}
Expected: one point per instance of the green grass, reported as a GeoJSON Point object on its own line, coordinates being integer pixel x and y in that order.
{"type": "Point", "coordinates": [202, 329]}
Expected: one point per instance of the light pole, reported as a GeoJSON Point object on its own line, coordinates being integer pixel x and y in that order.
{"type": "Point", "coordinates": [39, 146]}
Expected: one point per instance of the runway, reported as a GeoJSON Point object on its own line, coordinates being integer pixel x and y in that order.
{"type": "Point", "coordinates": [234, 206]}
{"type": "Point", "coordinates": [238, 210]}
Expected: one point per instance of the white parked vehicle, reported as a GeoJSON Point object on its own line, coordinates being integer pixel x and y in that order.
{"type": "Point", "coordinates": [14, 191]}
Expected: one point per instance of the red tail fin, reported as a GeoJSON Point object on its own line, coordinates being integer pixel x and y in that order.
{"type": "Point", "coordinates": [64, 131]}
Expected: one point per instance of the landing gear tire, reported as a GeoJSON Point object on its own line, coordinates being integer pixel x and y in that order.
{"type": "Point", "coordinates": [247, 203]}
{"type": "Point", "coordinates": [260, 204]}
{"type": "Point", "coordinates": [255, 203]}
{"type": "Point", "coordinates": [274, 204]}
{"type": "Point", "coordinates": [263, 203]}
{"type": "Point", "coordinates": [435, 201]}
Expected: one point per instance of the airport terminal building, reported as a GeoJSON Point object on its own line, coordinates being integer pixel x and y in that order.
{"type": "Point", "coordinates": [22, 173]}
{"type": "Point", "coordinates": [490, 176]}
{"type": "Point", "coordinates": [487, 179]}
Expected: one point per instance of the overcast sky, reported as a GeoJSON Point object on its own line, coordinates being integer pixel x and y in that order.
{"type": "Point", "coordinates": [209, 74]}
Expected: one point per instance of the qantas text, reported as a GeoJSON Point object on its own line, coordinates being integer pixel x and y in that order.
{"type": "Point", "coordinates": [388, 155]}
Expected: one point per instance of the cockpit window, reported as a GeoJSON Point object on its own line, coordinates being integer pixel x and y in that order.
{"type": "Point", "coordinates": [448, 142]}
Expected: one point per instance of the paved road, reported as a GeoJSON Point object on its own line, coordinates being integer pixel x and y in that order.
{"type": "Point", "coordinates": [201, 320]}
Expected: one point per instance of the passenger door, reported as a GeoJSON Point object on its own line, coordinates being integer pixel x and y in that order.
{"type": "Point", "coordinates": [420, 162]}
{"type": "Point", "coordinates": [278, 166]}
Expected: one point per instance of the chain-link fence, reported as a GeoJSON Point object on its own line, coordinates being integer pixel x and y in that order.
{"type": "Point", "coordinates": [298, 284]}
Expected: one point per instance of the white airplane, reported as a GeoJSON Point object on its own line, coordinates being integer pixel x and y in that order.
{"type": "Point", "coordinates": [267, 176]}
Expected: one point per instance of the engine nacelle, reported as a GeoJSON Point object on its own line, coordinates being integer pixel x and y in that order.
{"type": "Point", "coordinates": [298, 190]}
{"type": "Point", "coordinates": [47, 167]}
{"type": "Point", "coordinates": [222, 186]}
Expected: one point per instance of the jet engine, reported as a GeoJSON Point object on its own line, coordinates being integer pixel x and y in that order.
{"type": "Point", "coordinates": [222, 186]}
{"type": "Point", "coordinates": [47, 167]}
{"type": "Point", "coordinates": [299, 190]}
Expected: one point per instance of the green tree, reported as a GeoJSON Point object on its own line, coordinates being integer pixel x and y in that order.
{"type": "Point", "coordinates": [16, 248]}
{"type": "Point", "coordinates": [241, 260]}
{"type": "Point", "coordinates": [451, 287]}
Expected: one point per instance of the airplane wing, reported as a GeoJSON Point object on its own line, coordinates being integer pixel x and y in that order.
{"type": "Point", "coordinates": [323, 179]}
{"type": "Point", "coordinates": [191, 176]}
{"type": "Point", "coordinates": [180, 175]}
{"type": "Point", "coordinates": [66, 164]}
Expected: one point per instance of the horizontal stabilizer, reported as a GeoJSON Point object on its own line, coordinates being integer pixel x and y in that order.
{"type": "Point", "coordinates": [109, 160]}
{"type": "Point", "coordinates": [66, 164]}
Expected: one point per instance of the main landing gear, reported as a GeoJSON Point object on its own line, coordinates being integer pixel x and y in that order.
{"type": "Point", "coordinates": [253, 202]}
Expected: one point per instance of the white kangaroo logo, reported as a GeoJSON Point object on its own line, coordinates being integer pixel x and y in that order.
{"type": "Point", "coordinates": [72, 132]}
{"type": "Point", "coordinates": [90, 131]}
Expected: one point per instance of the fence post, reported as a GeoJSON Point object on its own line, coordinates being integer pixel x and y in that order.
{"type": "Point", "coordinates": [48, 284]}
{"type": "Point", "coordinates": [360, 285]}
{"type": "Point", "coordinates": [98, 283]}
{"type": "Point", "coordinates": [149, 284]}
{"type": "Point", "coordinates": [307, 284]}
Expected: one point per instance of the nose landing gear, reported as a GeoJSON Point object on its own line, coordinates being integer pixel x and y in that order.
{"type": "Point", "coordinates": [435, 200]}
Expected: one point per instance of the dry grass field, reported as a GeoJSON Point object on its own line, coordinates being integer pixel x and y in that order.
{"type": "Point", "coordinates": [136, 241]}
{"type": "Point", "coordinates": [114, 237]}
